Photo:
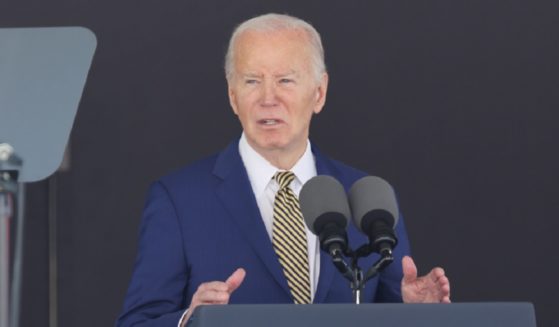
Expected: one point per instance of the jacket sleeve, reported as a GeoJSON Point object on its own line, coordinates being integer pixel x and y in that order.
{"type": "Point", "coordinates": [155, 295]}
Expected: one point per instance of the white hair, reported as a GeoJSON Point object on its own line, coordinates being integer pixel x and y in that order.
{"type": "Point", "coordinates": [273, 23]}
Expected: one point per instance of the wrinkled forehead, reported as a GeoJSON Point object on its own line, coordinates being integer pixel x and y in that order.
{"type": "Point", "coordinates": [284, 44]}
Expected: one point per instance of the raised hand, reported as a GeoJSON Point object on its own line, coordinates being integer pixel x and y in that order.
{"type": "Point", "coordinates": [431, 288]}
{"type": "Point", "coordinates": [215, 292]}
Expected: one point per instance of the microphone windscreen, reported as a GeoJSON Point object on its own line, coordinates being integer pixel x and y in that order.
{"type": "Point", "coordinates": [373, 197]}
{"type": "Point", "coordinates": [323, 195]}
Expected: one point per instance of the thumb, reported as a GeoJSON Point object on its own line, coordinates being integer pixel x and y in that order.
{"type": "Point", "coordinates": [409, 269]}
{"type": "Point", "coordinates": [235, 280]}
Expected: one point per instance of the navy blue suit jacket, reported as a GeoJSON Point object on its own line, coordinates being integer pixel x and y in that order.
{"type": "Point", "coordinates": [202, 222]}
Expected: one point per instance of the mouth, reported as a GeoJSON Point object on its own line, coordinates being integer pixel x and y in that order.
{"type": "Point", "coordinates": [269, 122]}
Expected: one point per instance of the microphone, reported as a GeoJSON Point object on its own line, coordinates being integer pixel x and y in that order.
{"type": "Point", "coordinates": [375, 212]}
{"type": "Point", "coordinates": [326, 212]}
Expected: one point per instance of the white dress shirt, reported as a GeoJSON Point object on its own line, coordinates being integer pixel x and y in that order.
{"type": "Point", "coordinates": [260, 174]}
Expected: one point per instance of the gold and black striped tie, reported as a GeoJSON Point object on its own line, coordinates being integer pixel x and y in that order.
{"type": "Point", "coordinates": [289, 239]}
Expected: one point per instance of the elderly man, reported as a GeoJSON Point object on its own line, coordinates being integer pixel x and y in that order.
{"type": "Point", "coordinates": [227, 229]}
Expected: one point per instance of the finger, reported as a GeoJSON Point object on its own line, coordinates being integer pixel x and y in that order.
{"type": "Point", "coordinates": [444, 284]}
{"type": "Point", "coordinates": [235, 280]}
{"type": "Point", "coordinates": [213, 286]}
{"type": "Point", "coordinates": [409, 269]}
{"type": "Point", "coordinates": [445, 288]}
{"type": "Point", "coordinates": [437, 273]}
{"type": "Point", "coordinates": [443, 280]}
{"type": "Point", "coordinates": [446, 299]}
{"type": "Point", "coordinates": [437, 276]}
{"type": "Point", "coordinates": [208, 293]}
{"type": "Point", "coordinates": [212, 297]}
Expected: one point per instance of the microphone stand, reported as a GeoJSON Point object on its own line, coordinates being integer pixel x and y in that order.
{"type": "Point", "coordinates": [353, 272]}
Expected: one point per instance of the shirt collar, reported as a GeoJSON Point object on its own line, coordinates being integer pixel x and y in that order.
{"type": "Point", "coordinates": [260, 171]}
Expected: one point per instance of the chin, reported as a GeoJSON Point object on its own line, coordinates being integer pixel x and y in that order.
{"type": "Point", "coordinates": [271, 146]}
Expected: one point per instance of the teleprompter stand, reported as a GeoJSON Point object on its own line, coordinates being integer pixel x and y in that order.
{"type": "Point", "coordinates": [42, 75]}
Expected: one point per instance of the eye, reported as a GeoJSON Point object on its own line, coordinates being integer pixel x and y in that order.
{"type": "Point", "coordinates": [286, 81]}
{"type": "Point", "coordinates": [251, 81]}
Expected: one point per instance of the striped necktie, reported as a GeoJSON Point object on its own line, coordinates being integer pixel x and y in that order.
{"type": "Point", "coordinates": [289, 239]}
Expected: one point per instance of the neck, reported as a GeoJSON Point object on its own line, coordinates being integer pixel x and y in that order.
{"type": "Point", "coordinates": [283, 159]}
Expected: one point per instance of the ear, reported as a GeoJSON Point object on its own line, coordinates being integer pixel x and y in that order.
{"type": "Point", "coordinates": [232, 98]}
{"type": "Point", "coordinates": [321, 91]}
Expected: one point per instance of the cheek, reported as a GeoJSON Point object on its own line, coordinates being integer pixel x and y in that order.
{"type": "Point", "coordinates": [247, 98]}
{"type": "Point", "coordinates": [245, 111]}
{"type": "Point", "coordinates": [309, 107]}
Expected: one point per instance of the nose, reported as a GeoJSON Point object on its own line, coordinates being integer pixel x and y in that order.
{"type": "Point", "coordinates": [269, 96]}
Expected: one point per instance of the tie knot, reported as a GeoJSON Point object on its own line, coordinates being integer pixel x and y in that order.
{"type": "Point", "coordinates": [284, 178]}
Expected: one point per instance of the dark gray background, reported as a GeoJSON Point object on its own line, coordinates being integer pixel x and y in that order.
{"type": "Point", "coordinates": [454, 102]}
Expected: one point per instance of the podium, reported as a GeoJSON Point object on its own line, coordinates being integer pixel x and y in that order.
{"type": "Point", "coordinates": [370, 315]}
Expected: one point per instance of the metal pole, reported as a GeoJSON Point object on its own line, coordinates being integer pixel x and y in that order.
{"type": "Point", "coordinates": [53, 253]}
{"type": "Point", "coordinates": [10, 205]}
{"type": "Point", "coordinates": [17, 272]}
{"type": "Point", "coordinates": [6, 211]}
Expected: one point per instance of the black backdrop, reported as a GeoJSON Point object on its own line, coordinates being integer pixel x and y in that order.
{"type": "Point", "coordinates": [454, 102]}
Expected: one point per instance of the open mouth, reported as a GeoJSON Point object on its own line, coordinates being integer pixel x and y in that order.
{"type": "Point", "coordinates": [269, 122]}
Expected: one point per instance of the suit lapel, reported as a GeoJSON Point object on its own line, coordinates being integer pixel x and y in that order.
{"type": "Point", "coordinates": [235, 192]}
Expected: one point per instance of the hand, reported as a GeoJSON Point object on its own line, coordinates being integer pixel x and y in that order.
{"type": "Point", "coordinates": [215, 292]}
{"type": "Point", "coordinates": [431, 288]}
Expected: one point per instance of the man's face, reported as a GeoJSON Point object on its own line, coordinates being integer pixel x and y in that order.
{"type": "Point", "coordinates": [274, 91]}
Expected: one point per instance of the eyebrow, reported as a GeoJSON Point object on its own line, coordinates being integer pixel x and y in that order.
{"type": "Point", "coordinates": [280, 75]}
{"type": "Point", "coordinates": [290, 73]}
{"type": "Point", "coordinates": [251, 75]}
